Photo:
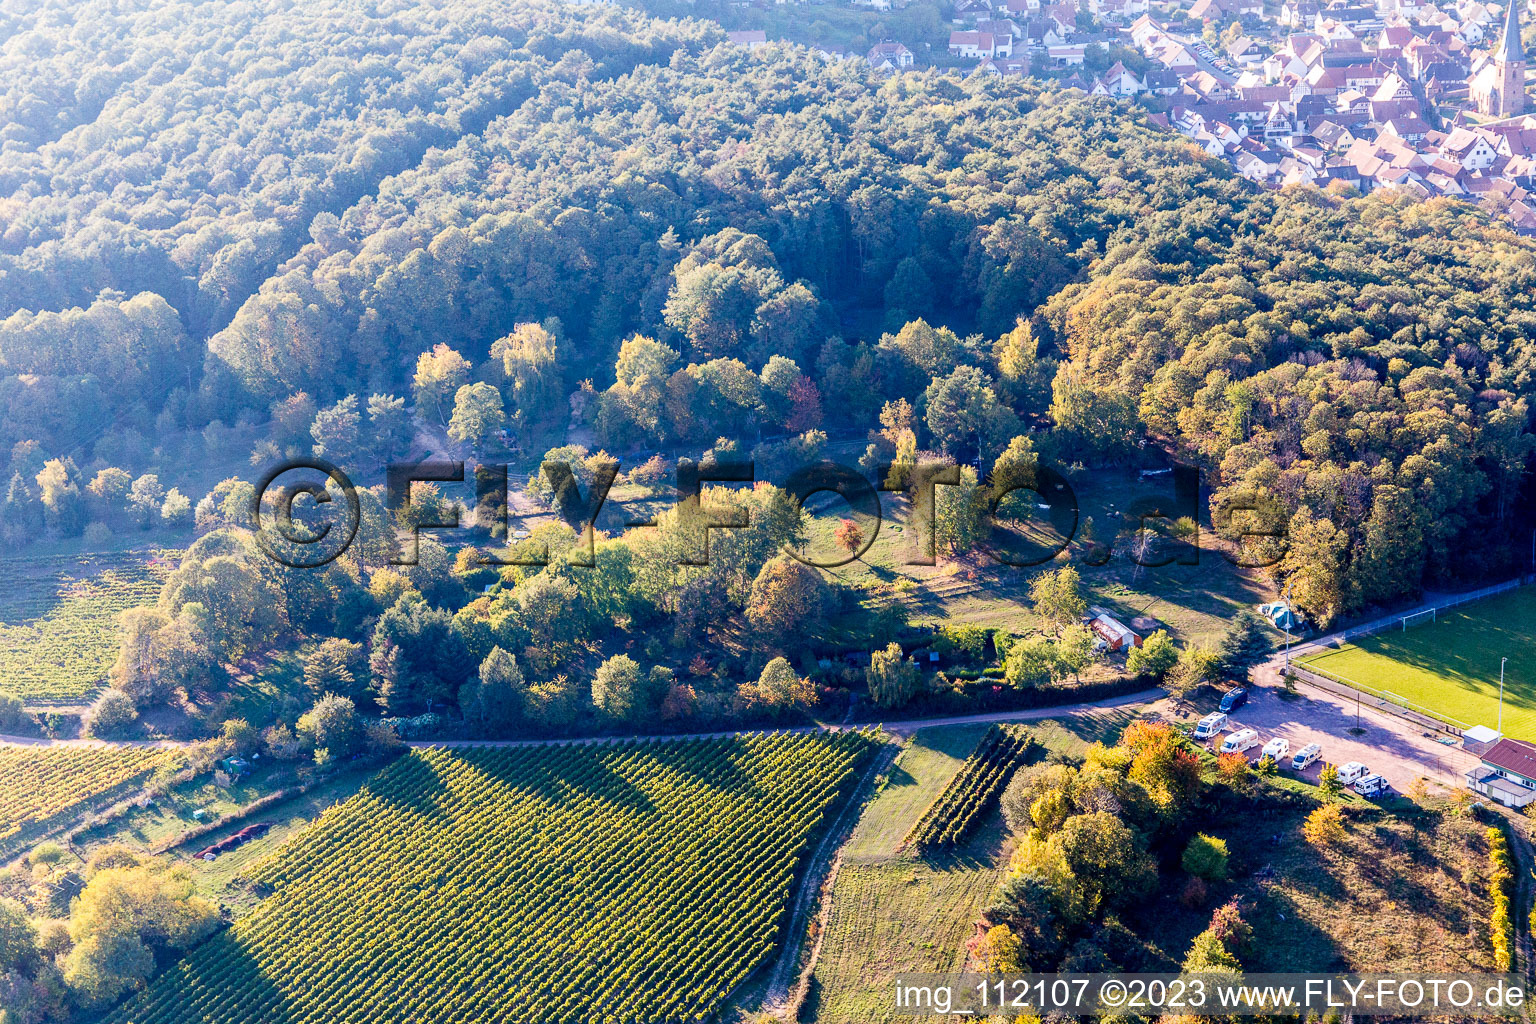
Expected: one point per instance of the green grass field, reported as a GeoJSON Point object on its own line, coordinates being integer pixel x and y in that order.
{"type": "Point", "coordinates": [1195, 603]}
{"type": "Point", "coordinates": [1451, 666]}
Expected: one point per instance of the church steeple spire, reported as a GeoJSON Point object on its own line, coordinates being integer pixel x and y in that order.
{"type": "Point", "coordinates": [1509, 48]}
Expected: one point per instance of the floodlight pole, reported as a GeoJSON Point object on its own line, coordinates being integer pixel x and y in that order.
{"type": "Point", "coordinates": [1287, 596]}
{"type": "Point", "coordinates": [1501, 693]}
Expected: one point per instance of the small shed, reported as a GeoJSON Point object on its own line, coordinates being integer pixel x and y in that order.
{"type": "Point", "coordinates": [1479, 739]}
{"type": "Point", "coordinates": [1117, 636]}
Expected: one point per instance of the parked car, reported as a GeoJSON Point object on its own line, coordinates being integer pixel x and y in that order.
{"type": "Point", "coordinates": [1234, 699]}
{"type": "Point", "coordinates": [1210, 725]}
{"type": "Point", "coordinates": [1243, 739]}
{"type": "Point", "coordinates": [1276, 749]}
{"type": "Point", "coordinates": [1372, 785]}
{"type": "Point", "coordinates": [1305, 756]}
{"type": "Point", "coordinates": [1353, 772]}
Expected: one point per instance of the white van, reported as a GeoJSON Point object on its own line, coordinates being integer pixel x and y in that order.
{"type": "Point", "coordinates": [1371, 785]}
{"type": "Point", "coordinates": [1210, 725]}
{"type": "Point", "coordinates": [1243, 739]}
{"type": "Point", "coordinates": [1353, 772]}
{"type": "Point", "coordinates": [1276, 749]}
{"type": "Point", "coordinates": [1305, 756]}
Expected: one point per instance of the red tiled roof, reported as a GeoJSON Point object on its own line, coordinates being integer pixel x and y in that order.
{"type": "Point", "coordinates": [1516, 756]}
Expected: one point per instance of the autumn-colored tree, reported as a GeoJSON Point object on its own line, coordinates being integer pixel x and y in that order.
{"type": "Point", "coordinates": [681, 702]}
{"type": "Point", "coordinates": [1162, 764]}
{"type": "Point", "coordinates": [788, 601]}
{"type": "Point", "coordinates": [780, 687]}
{"type": "Point", "coordinates": [1324, 826]}
{"type": "Point", "coordinates": [999, 951]}
{"type": "Point", "coordinates": [848, 536]}
{"type": "Point", "coordinates": [1328, 781]}
{"type": "Point", "coordinates": [896, 421]}
{"type": "Point", "coordinates": [439, 375]}
{"type": "Point", "coordinates": [1232, 768]}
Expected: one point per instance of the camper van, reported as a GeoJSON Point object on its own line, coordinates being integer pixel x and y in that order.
{"type": "Point", "coordinates": [1371, 785]}
{"type": "Point", "coordinates": [1210, 725]}
{"type": "Point", "coordinates": [1353, 772]}
{"type": "Point", "coordinates": [1234, 699]}
{"type": "Point", "coordinates": [1276, 749]}
{"type": "Point", "coordinates": [1305, 756]}
{"type": "Point", "coordinates": [1243, 739]}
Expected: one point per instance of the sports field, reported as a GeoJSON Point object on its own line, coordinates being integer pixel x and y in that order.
{"type": "Point", "coordinates": [1451, 666]}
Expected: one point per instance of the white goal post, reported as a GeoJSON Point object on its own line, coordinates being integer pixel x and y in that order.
{"type": "Point", "coordinates": [1419, 618]}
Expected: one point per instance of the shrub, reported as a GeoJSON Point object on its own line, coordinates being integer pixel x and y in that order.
{"type": "Point", "coordinates": [1501, 876]}
{"type": "Point", "coordinates": [1233, 770]}
{"type": "Point", "coordinates": [1155, 657]}
{"type": "Point", "coordinates": [962, 640]}
{"type": "Point", "coordinates": [11, 713]}
{"type": "Point", "coordinates": [1000, 951]}
{"type": "Point", "coordinates": [332, 727]}
{"type": "Point", "coordinates": [176, 511]}
{"type": "Point", "coordinates": [1206, 857]}
{"type": "Point", "coordinates": [110, 716]}
{"type": "Point", "coordinates": [1194, 894]}
{"type": "Point", "coordinates": [780, 688]}
{"type": "Point", "coordinates": [1324, 826]}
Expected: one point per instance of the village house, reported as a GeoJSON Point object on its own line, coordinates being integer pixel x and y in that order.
{"type": "Point", "coordinates": [750, 39]}
{"type": "Point", "coordinates": [980, 44]}
{"type": "Point", "coordinates": [1004, 67]}
{"type": "Point", "coordinates": [891, 55]}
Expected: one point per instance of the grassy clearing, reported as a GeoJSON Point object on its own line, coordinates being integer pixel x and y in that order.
{"type": "Point", "coordinates": [59, 619]}
{"type": "Point", "coordinates": [223, 878]}
{"type": "Point", "coordinates": [153, 827]}
{"type": "Point", "coordinates": [1195, 603]}
{"type": "Point", "coordinates": [894, 918]}
{"type": "Point", "coordinates": [1405, 891]}
{"type": "Point", "coordinates": [1451, 666]}
{"type": "Point", "coordinates": [906, 913]}
{"type": "Point", "coordinates": [919, 775]}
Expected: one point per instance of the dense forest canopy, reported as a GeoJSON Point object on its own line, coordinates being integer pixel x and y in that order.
{"type": "Point", "coordinates": [266, 210]}
{"type": "Point", "coordinates": [189, 149]}
{"type": "Point", "coordinates": [368, 231]}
